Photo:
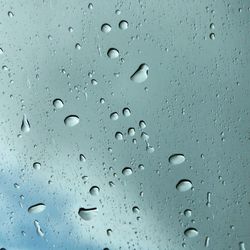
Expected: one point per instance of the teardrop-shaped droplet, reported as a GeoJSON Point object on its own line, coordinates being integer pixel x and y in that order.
{"type": "Point", "coordinates": [113, 53]}
{"type": "Point", "coordinates": [58, 103]}
{"type": "Point", "coordinates": [87, 213]}
{"type": "Point", "coordinates": [127, 171]}
{"type": "Point", "coordinates": [25, 127]}
{"type": "Point", "coordinates": [184, 185]}
{"type": "Point", "coordinates": [37, 208]}
{"type": "Point", "coordinates": [141, 74]}
{"type": "Point", "coordinates": [191, 232]}
{"type": "Point", "coordinates": [106, 28]}
{"type": "Point", "coordinates": [37, 165]}
{"type": "Point", "coordinates": [71, 120]}
{"type": "Point", "coordinates": [176, 159]}
{"type": "Point", "coordinates": [94, 190]}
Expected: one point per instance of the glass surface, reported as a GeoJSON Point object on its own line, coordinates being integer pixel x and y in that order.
{"type": "Point", "coordinates": [125, 125]}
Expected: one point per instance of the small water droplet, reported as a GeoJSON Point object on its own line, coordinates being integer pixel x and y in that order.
{"type": "Point", "coordinates": [58, 103]}
{"type": "Point", "coordinates": [141, 74]}
{"type": "Point", "coordinates": [37, 165]}
{"type": "Point", "coordinates": [70, 29]}
{"type": "Point", "coordinates": [191, 232]}
{"type": "Point", "coordinates": [184, 185]}
{"type": "Point", "coordinates": [114, 116]}
{"type": "Point", "coordinates": [136, 210]}
{"type": "Point", "coordinates": [109, 232]}
{"type": "Point", "coordinates": [188, 212]}
{"type": "Point", "coordinates": [94, 82]}
{"type": "Point", "coordinates": [127, 171]}
{"type": "Point", "coordinates": [126, 112]}
{"type": "Point", "coordinates": [37, 208]}
{"type": "Point", "coordinates": [78, 46]}
{"type": "Point", "coordinates": [131, 131]}
{"type": "Point", "coordinates": [212, 26]}
{"type": "Point", "coordinates": [242, 246]}
{"type": "Point", "coordinates": [90, 6]}
{"type": "Point", "coordinates": [123, 25]}
{"type": "Point", "coordinates": [10, 14]}
{"type": "Point", "coordinates": [212, 36]}
{"type": "Point", "coordinates": [94, 190]}
{"type": "Point", "coordinates": [150, 149]}
{"type": "Point", "coordinates": [142, 124]}
{"type": "Point", "coordinates": [144, 136]}
{"type": "Point", "coordinates": [176, 159]}
{"type": "Point", "coordinates": [87, 213]}
{"type": "Point", "coordinates": [25, 126]}
{"type": "Point", "coordinates": [71, 120]}
{"type": "Point", "coordinates": [16, 185]}
{"type": "Point", "coordinates": [113, 53]}
{"type": "Point", "coordinates": [207, 239]}
{"type": "Point", "coordinates": [106, 28]}
{"type": "Point", "coordinates": [119, 136]}
{"type": "Point", "coordinates": [82, 157]}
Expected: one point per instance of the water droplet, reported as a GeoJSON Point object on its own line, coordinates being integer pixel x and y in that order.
{"type": "Point", "coordinates": [136, 210]}
{"type": "Point", "coordinates": [16, 185]}
{"type": "Point", "coordinates": [141, 167]}
{"type": "Point", "coordinates": [191, 232]}
{"type": "Point", "coordinates": [78, 46]}
{"type": "Point", "coordinates": [37, 208]}
{"type": "Point", "coordinates": [113, 53]}
{"type": "Point", "coordinates": [109, 232]}
{"type": "Point", "coordinates": [176, 159]}
{"type": "Point", "coordinates": [150, 149]}
{"type": "Point", "coordinates": [141, 74]}
{"type": "Point", "coordinates": [94, 190]}
{"type": "Point", "coordinates": [106, 28]}
{"type": "Point", "coordinates": [58, 103]}
{"type": "Point", "coordinates": [71, 120]}
{"type": "Point", "coordinates": [82, 157]}
{"type": "Point", "coordinates": [127, 171]}
{"type": "Point", "coordinates": [37, 165]}
{"type": "Point", "coordinates": [70, 29]}
{"type": "Point", "coordinates": [119, 136]}
{"type": "Point", "coordinates": [114, 116]}
{"type": "Point", "coordinates": [142, 124]}
{"type": "Point", "coordinates": [131, 131]}
{"type": "Point", "coordinates": [10, 14]}
{"type": "Point", "coordinates": [144, 136]}
{"type": "Point", "coordinates": [126, 112]}
{"type": "Point", "coordinates": [25, 127]}
{"type": "Point", "coordinates": [212, 26]}
{"type": "Point", "coordinates": [38, 228]}
{"type": "Point", "coordinates": [212, 36]}
{"type": "Point", "coordinates": [242, 246]}
{"type": "Point", "coordinates": [188, 212]}
{"type": "Point", "coordinates": [94, 82]}
{"type": "Point", "coordinates": [90, 6]}
{"type": "Point", "coordinates": [207, 239]}
{"type": "Point", "coordinates": [123, 25]}
{"type": "Point", "coordinates": [87, 213]}
{"type": "Point", "coordinates": [184, 185]}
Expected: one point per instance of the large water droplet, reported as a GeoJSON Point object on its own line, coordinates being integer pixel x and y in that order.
{"type": "Point", "coordinates": [94, 190]}
{"type": "Point", "coordinates": [25, 126]}
{"type": "Point", "coordinates": [123, 25]}
{"type": "Point", "coordinates": [106, 28]}
{"type": "Point", "coordinates": [87, 213]}
{"type": "Point", "coordinates": [141, 74]}
{"type": "Point", "coordinates": [176, 159]}
{"type": "Point", "coordinates": [71, 120]}
{"type": "Point", "coordinates": [191, 232]}
{"type": "Point", "coordinates": [184, 185]}
{"type": "Point", "coordinates": [37, 208]}
{"type": "Point", "coordinates": [113, 53]}
{"type": "Point", "coordinates": [58, 103]}
{"type": "Point", "coordinates": [127, 171]}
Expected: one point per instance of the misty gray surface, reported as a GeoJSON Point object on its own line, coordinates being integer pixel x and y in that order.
{"type": "Point", "coordinates": [194, 100]}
